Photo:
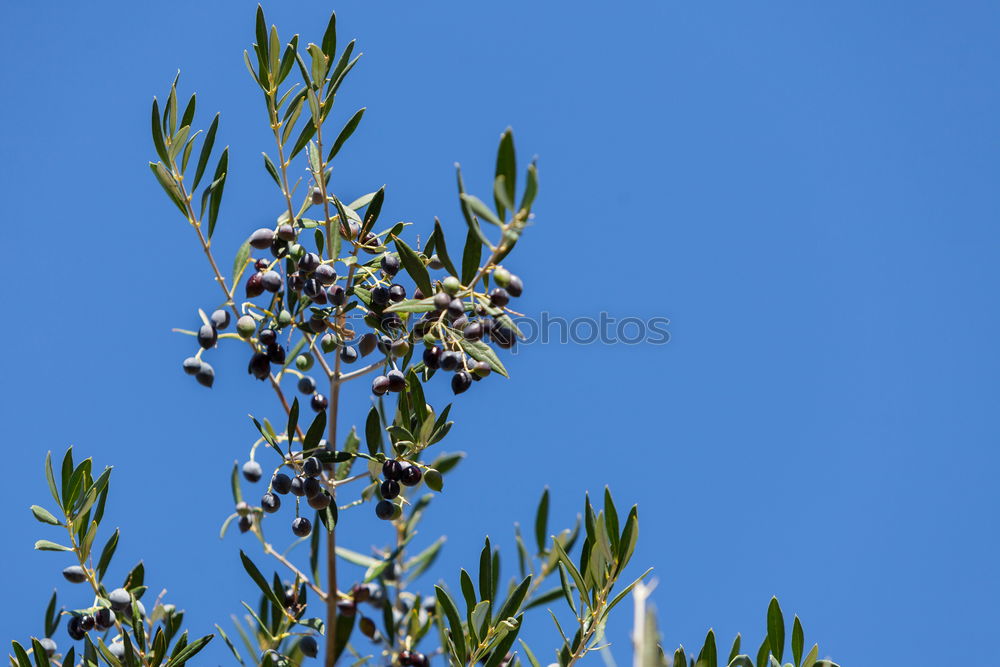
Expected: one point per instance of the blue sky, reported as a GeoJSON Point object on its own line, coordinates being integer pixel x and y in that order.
{"type": "Point", "coordinates": [806, 190]}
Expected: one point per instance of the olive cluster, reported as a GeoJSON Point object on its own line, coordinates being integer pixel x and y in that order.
{"type": "Point", "coordinates": [103, 618]}
{"type": "Point", "coordinates": [307, 484]}
{"type": "Point", "coordinates": [413, 659]}
{"type": "Point", "coordinates": [307, 275]}
{"type": "Point", "coordinates": [208, 336]}
{"type": "Point", "coordinates": [473, 321]}
{"type": "Point", "coordinates": [455, 314]}
{"type": "Point", "coordinates": [79, 625]}
{"type": "Point", "coordinates": [395, 473]}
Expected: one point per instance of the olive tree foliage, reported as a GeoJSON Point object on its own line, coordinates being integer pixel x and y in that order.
{"type": "Point", "coordinates": [328, 295]}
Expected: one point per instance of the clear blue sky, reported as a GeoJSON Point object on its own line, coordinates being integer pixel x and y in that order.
{"type": "Point", "coordinates": [807, 190]}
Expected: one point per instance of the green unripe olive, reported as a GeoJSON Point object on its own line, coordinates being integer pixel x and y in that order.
{"type": "Point", "coordinates": [328, 342]}
{"type": "Point", "coordinates": [451, 285]}
{"type": "Point", "coordinates": [284, 318]}
{"type": "Point", "coordinates": [296, 250]}
{"type": "Point", "coordinates": [399, 348]}
{"type": "Point", "coordinates": [501, 276]}
{"type": "Point", "coordinates": [245, 326]}
{"type": "Point", "coordinates": [304, 361]}
{"type": "Point", "coordinates": [433, 479]}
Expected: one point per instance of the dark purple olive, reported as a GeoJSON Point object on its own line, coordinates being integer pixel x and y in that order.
{"type": "Point", "coordinates": [432, 357]}
{"type": "Point", "coordinates": [285, 232]}
{"type": "Point", "coordinates": [380, 385]}
{"type": "Point", "coordinates": [325, 274]}
{"type": "Point", "coordinates": [270, 503]}
{"type": "Point", "coordinates": [389, 264]}
{"type": "Point", "coordinates": [366, 344]}
{"type": "Point", "coordinates": [392, 469]}
{"type": "Point", "coordinates": [397, 293]}
{"type": "Point", "coordinates": [312, 487]}
{"type": "Point", "coordinates": [312, 467]}
{"type": "Point", "coordinates": [205, 375]}
{"type": "Point", "coordinates": [307, 385]}
{"type": "Point", "coordinates": [450, 360]}
{"type": "Point", "coordinates": [271, 281]}
{"type": "Point", "coordinates": [337, 295]}
{"type": "Point", "coordinates": [473, 332]}
{"type": "Point", "coordinates": [390, 489]}
{"type": "Point", "coordinates": [255, 285]}
{"type": "Point", "coordinates": [499, 297]}
{"type": "Point", "coordinates": [301, 527]}
{"type": "Point", "coordinates": [308, 645]}
{"type": "Point", "coordinates": [411, 475]}
{"type": "Point", "coordinates": [397, 381]}
{"type": "Point", "coordinates": [320, 501]}
{"type": "Point", "coordinates": [309, 262]}
{"type": "Point", "coordinates": [276, 355]}
{"type": "Point", "coordinates": [312, 288]}
{"type": "Point", "coordinates": [267, 337]}
{"type": "Point", "coordinates": [260, 366]}
{"type": "Point", "coordinates": [348, 355]}
{"type": "Point", "coordinates": [104, 618]}
{"type": "Point", "coordinates": [460, 382]}
{"type": "Point", "coordinates": [515, 287]}
{"type": "Point", "coordinates": [262, 238]}
{"type": "Point", "coordinates": [281, 483]}
{"type": "Point", "coordinates": [318, 402]}
{"type": "Point", "coordinates": [73, 628]}
{"type": "Point", "coordinates": [384, 509]}
{"type": "Point", "coordinates": [75, 574]}
{"type": "Point", "coordinates": [441, 300]}
{"type": "Point", "coordinates": [456, 308]}
{"type": "Point", "coordinates": [252, 471]}
{"type": "Point", "coordinates": [380, 296]}
{"type": "Point", "coordinates": [207, 336]}
{"type": "Point", "coordinates": [219, 319]}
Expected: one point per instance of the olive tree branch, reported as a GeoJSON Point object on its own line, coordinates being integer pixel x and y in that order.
{"type": "Point", "coordinates": [207, 248]}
